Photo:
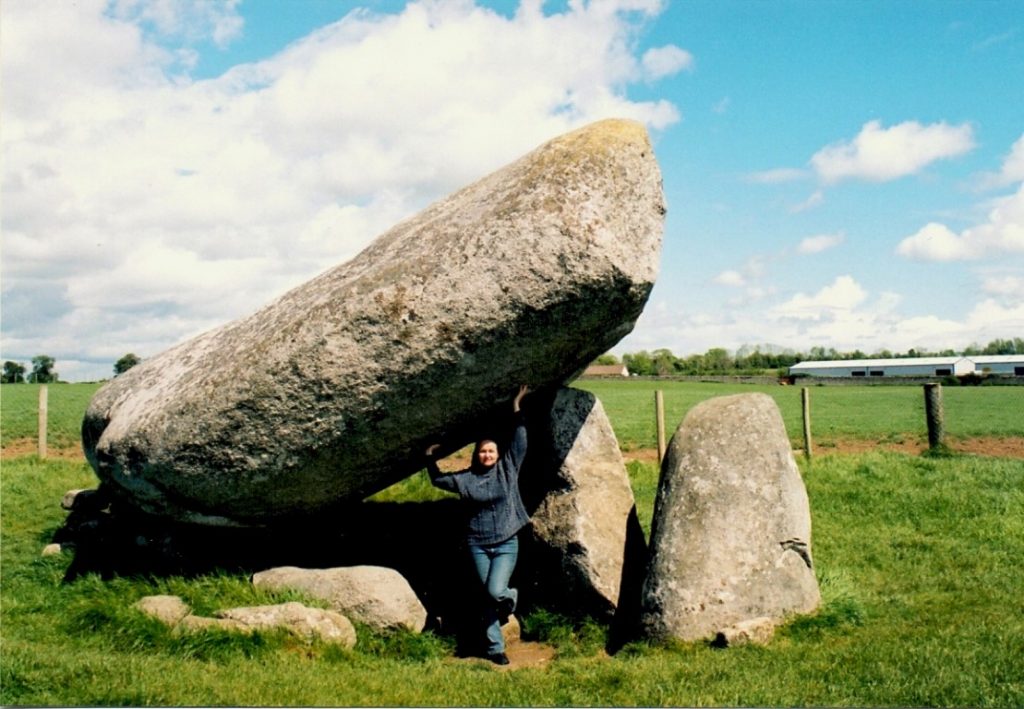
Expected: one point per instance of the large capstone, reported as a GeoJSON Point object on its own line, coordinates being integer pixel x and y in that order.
{"type": "Point", "coordinates": [731, 535]}
{"type": "Point", "coordinates": [332, 391]}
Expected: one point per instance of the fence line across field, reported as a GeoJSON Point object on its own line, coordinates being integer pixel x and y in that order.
{"type": "Point", "coordinates": [934, 419]}
{"type": "Point", "coordinates": [44, 396]}
{"type": "Point", "coordinates": [933, 407]}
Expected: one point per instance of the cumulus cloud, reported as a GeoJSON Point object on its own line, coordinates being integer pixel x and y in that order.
{"type": "Point", "coordinates": [820, 242]}
{"type": "Point", "coordinates": [191, 20]}
{"type": "Point", "coordinates": [730, 278]}
{"type": "Point", "coordinates": [1001, 233]}
{"type": "Point", "coordinates": [1012, 170]}
{"type": "Point", "coordinates": [660, 62]}
{"type": "Point", "coordinates": [881, 154]}
{"type": "Point", "coordinates": [841, 315]}
{"type": "Point", "coordinates": [147, 206]}
{"type": "Point", "coordinates": [843, 294]}
{"type": "Point", "coordinates": [777, 175]}
{"type": "Point", "coordinates": [815, 199]}
{"type": "Point", "coordinates": [1008, 287]}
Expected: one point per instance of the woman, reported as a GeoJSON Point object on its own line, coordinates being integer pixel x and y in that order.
{"type": "Point", "coordinates": [489, 489]}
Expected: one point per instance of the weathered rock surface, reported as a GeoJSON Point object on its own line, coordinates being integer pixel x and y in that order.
{"type": "Point", "coordinates": [295, 618]}
{"type": "Point", "coordinates": [582, 519]}
{"type": "Point", "coordinates": [326, 625]}
{"type": "Point", "coordinates": [731, 536]}
{"type": "Point", "coordinates": [756, 631]}
{"type": "Point", "coordinates": [332, 391]}
{"type": "Point", "coordinates": [374, 595]}
{"type": "Point", "coordinates": [169, 610]}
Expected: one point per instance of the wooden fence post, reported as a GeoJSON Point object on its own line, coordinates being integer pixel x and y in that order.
{"type": "Point", "coordinates": [659, 413]}
{"type": "Point", "coordinates": [805, 400]}
{"type": "Point", "coordinates": [43, 397]}
{"type": "Point", "coordinates": [933, 413]}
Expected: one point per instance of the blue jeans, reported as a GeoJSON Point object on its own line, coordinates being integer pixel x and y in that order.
{"type": "Point", "coordinates": [494, 565]}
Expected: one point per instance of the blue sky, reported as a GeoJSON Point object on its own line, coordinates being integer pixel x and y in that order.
{"type": "Point", "coordinates": [838, 174]}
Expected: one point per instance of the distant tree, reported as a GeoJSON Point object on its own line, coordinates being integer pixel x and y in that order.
{"type": "Point", "coordinates": [717, 359]}
{"type": "Point", "coordinates": [125, 363]}
{"type": "Point", "coordinates": [664, 362]}
{"type": "Point", "coordinates": [1000, 347]}
{"type": "Point", "coordinates": [639, 363]}
{"type": "Point", "coordinates": [604, 359]}
{"type": "Point", "coordinates": [42, 370]}
{"type": "Point", "coordinates": [14, 373]}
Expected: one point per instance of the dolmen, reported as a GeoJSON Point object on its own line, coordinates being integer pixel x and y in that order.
{"type": "Point", "coordinates": [730, 551]}
{"type": "Point", "coordinates": [331, 392]}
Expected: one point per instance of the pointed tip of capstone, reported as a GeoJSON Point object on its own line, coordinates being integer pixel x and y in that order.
{"type": "Point", "coordinates": [607, 132]}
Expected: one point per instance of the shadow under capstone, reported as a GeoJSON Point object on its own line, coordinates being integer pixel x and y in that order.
{"type": "Point", "coordinates": [423, 541]}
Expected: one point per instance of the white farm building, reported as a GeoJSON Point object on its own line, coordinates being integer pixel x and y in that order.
{"type": "Point", "coordinates": [1012, 365]}
{"type": "Point", "coordinates": [897, 367]}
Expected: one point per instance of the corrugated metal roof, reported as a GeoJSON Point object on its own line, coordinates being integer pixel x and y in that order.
{"type": "Point", "coordinates": [994, 359]}
{"type": "Point", "coordinates": [894, 362]}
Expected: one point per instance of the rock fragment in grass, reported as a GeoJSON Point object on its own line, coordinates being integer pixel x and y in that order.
{"type": "Point", "coordinates": [731, 535]}
{"type": "Point", "coordinates": [309, 623]}
{"type": "Point", "coordinates": [332, 392]}
{"type": "Point", "coordinates": [169, 610]}
{"type": "Point", "coordinates": [374, 595]}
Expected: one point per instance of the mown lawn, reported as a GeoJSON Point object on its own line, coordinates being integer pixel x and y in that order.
{"type": "Point", "coordinates": [874, 413]}
{"type": "Point", "coordinates": [919, 561]}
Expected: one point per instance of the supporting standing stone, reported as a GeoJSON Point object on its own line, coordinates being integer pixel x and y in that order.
{"type": "Point", "coordinates": [332, 392]}
{"type": "Point", "coordinates": [587, 503]}
{"type": "Point", "coordinates": [731, 537]}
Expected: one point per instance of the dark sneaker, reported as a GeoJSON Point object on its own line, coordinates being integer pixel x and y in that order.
{"type": "Point", "coordinates": [498, 658]}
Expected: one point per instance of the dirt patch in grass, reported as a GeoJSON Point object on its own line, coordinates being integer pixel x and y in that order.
{"type": "Point", "coordinates": [28, 446]}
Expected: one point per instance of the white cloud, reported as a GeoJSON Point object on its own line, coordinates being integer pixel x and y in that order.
{"type": "Point", "coordinates": [821, 242]}
{"type": "Point", "coordinates": [1005, 286]}
{"type": "Point", "coordinates": [660, 62]}
{"type": "Point", "coordinates": [145, 207]}
{"type": "Point", "coordinates": [1002, 233]}
{"type": "Point", "coordinates": [730, 278]}
{"type": "Point", "coordinates": [842, 315]}
{"type": "Point", "coordinates": [191, 20]}
{"type": "Point", "coordinates": [843, 294]}
{"type": "Point", "coordinates": [815, 199]}
{"type": "Point", "coordinates": [880, 154]}
{"type": "Point", "coordinates": [777, 175]}
{"type": "Point", "coordinates": [1012, 170]}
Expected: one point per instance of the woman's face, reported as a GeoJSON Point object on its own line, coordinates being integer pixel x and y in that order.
{"type": "Point", "coordinates": [487, 453]}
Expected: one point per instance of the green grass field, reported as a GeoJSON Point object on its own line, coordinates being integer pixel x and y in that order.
{"type": "Point", "coordinates": [872, 413]}
{"type": "Point", "coordinates": [918, 558]}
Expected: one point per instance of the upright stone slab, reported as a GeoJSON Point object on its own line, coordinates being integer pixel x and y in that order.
{"type": "Point", "coordinates": [586, 507]}
{"type": "Point", "coordinates": [731, 536]}
{"type": "Point", "coordinates": [332, 392]}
